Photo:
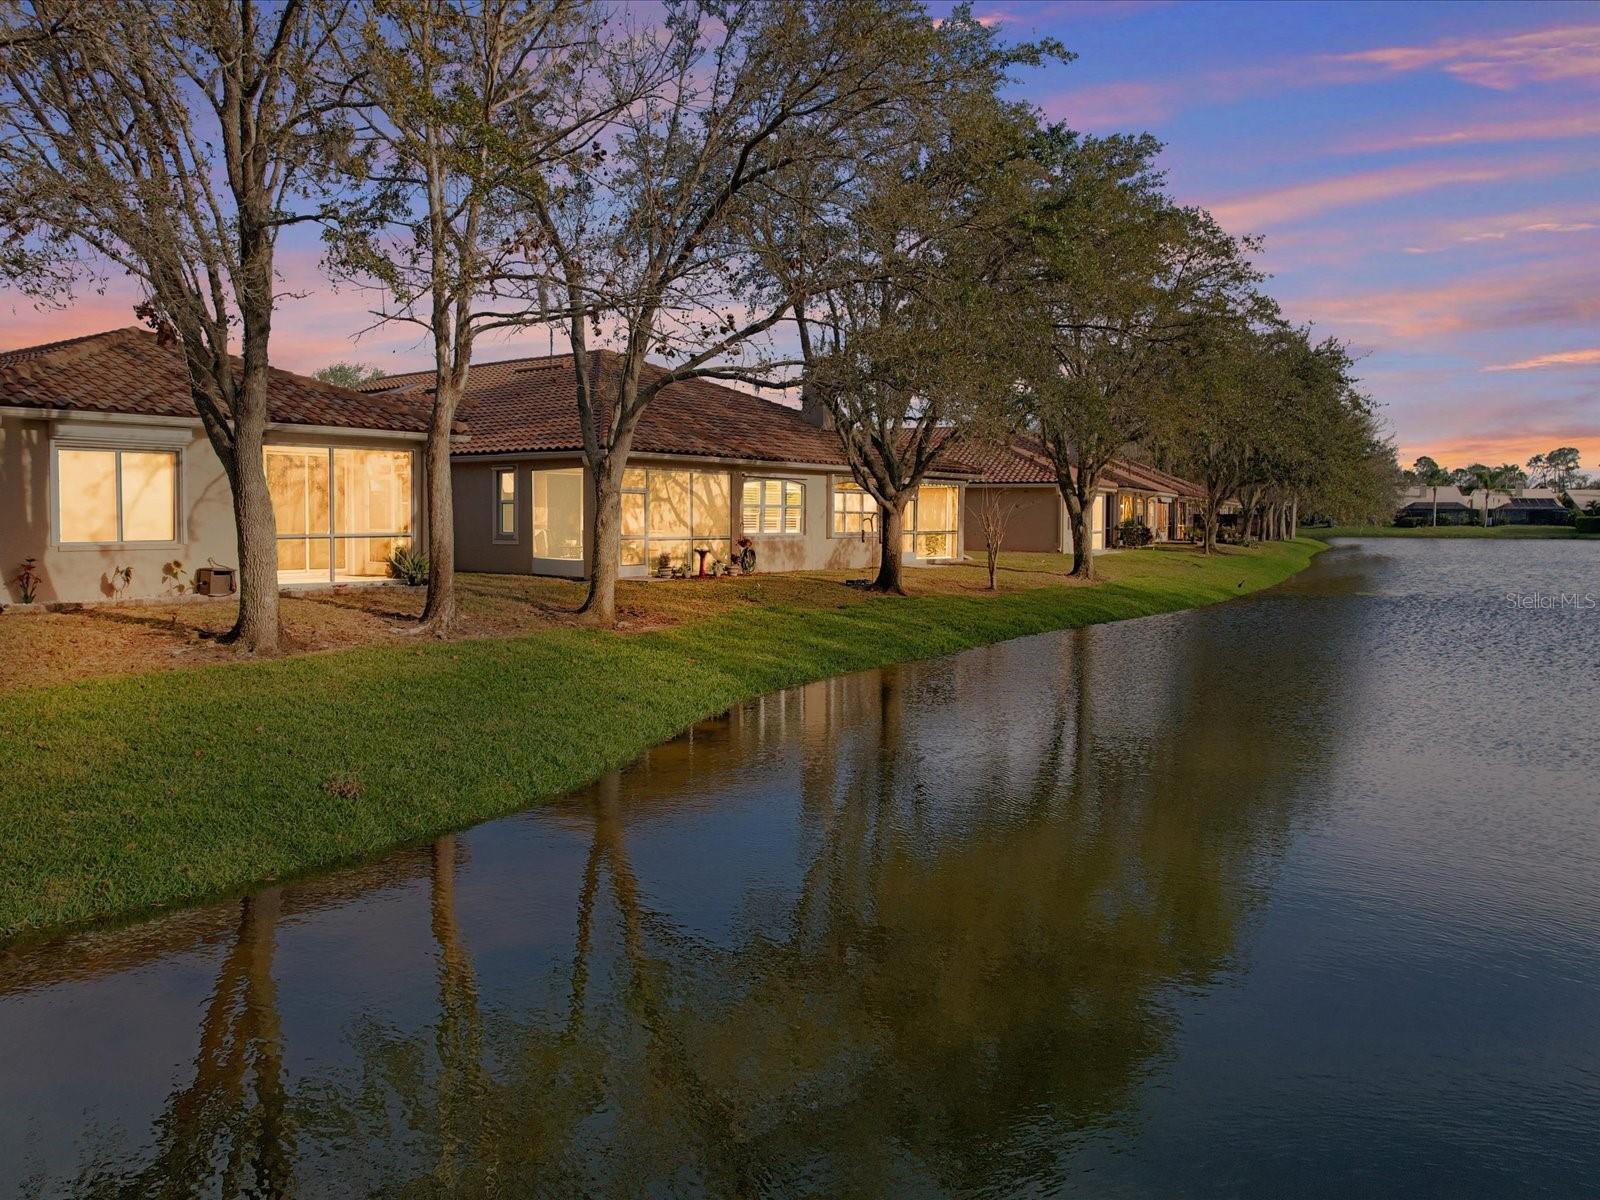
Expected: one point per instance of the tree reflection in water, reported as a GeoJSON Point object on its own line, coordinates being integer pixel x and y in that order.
{"type": "Point", "coordinates": [969, 969]}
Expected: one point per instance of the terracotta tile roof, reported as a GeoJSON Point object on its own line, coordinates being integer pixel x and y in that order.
{"type": "Point", "coordinates": [1145, 478]}
{"type": "Point", "coordinates": [529, 405]}
{"type": "Point", "coordinates": [1020, 461]}
{"type": "Point", "coordinates": [129, 371]}
{"type": "Point", "coordinates": [1024, 461]}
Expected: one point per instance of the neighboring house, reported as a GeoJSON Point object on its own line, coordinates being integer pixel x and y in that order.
{"type": "Point", "coordinates": [104, 467]}
{"type": "Point", "coordinates": [708, 465]}
{"type": "Point", "coordinates": [1582, 498]}
{"type": "Point", "coordinates": [1417, 504]}
{"type": "Point", "coordinates": [1528, 506]}
{"type": "Point", "coordinates": [1021, 475]}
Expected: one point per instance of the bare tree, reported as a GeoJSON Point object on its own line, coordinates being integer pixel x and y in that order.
{"type": "Point", "coordinates": [647, 237]}
{"type": "Point", "coordinates": [459, 109]}
{"type": "Point", "coordinates": [994, 515]}
{"type": "Point", "coordinates": [168, 140]}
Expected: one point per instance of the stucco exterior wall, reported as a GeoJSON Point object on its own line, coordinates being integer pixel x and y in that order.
{"type": "Point", "coordinates": [815, 548]}
{"type": "Point", "coordinates": [205, 528]}
{"type": "Point", "coordinates": [1037, 523]}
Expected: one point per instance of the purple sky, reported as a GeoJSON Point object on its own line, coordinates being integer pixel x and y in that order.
{"type": "Point", "coordinates": [1427, 177]}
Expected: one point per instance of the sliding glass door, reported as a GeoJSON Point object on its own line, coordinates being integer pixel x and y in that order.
{"type": "Point", "coordinates": [341, 511]}
{"type": "Point", "coordinates": [558, 521]}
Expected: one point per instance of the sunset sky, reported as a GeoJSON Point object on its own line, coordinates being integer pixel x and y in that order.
{"type": "Point", "coordinates": [1426, 176]}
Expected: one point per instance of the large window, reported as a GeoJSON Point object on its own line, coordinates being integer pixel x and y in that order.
{"type": "Point", "coordinates": [667, 515]}
{"type": "Point", "coordinates": [116, 496]}
{"type": "Point", "coordinates": [505, 505]}
{"type": "Point", "coordinates": [930, 527]}
{"type": "Point", "coordinates": [558, 514]}
{"type": "Point", "coordinates": [853, 510]}
{"type": "Point", "coordinates": [774, 506]}
{"type": "Point", "coordinates": [341, 512]}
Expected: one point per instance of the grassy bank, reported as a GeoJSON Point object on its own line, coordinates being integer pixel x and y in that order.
{"type": "Point", "coordinates": [1509, 532]}
{"type": "Point", "coordinates": [126, 793]}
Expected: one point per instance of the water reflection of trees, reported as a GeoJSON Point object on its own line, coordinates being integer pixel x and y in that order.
{"type": "Point", "coordinates": [974, 965]}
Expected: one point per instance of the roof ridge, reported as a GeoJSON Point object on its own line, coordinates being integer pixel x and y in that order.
{"type": "Point", "coordinates": [32, 362]}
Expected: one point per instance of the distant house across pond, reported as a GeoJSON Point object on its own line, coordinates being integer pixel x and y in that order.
{"type": "Point", "coordinates": [1529, 506]}
{"type": "Point", "coordinates": [1417, 506]}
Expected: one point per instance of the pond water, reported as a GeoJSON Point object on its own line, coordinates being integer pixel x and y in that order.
{"type": "Point", "coordinates": [1298, 895]}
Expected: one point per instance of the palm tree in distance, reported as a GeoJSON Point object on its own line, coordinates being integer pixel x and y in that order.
{"type": "Point", "coordinates": [1431, 475]}
{"type": "Point", "coordinates": [1503, 478]}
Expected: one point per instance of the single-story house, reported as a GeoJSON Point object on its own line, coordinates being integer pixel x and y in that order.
{"type": "Point", "coordinates": [1582, 498]}
{"type": "Point", "coordinates": [708, 465]}
{"type": "Point", "coordinates": [107, 477]}
{"type": "Point", "coordinates": [1528, 506]}
{"type": "Point", "coordinates": [1416, 503]}
{"type": "Point", "coordinates": [1021, 476]}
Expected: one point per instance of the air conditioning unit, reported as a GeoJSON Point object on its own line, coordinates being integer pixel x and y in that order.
{"type": "Point", "coordinates": [214, 581]}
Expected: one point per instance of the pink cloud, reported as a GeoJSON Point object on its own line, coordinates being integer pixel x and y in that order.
{"type": "Point", "coordinates": [1584, 123]}
{"type": "Point", "coordinates": [1114, 106]}
{"type": "Point", "coordinates": [1561, 53]}
{"type": "Point", "coordinates": [1282, 205]}
{"type": "Point", "coordinates": [1562, 358]}
{"type": "Point", "coordinates": [1539, 293]}
{"type": "Point", "coordinates": [1504, 227]}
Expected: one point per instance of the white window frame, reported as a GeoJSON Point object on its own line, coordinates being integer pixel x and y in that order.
{"type": "Point", "coordinates": [646, 569]}
{"type": "Point", "coordinates": [533, 514]}
{"type": "Point", "coordinates": [871, 516]}
{"type": "Point", "coordinates": [913, 525]}
{"type": "Point", "coordinates": [762, 508]}
{"type": "Point", "coordinates": [499, 534]}
{"type": "Point", "coordinates": [334, 536]}
{"type": "Point", "coordinates": [117, 448]}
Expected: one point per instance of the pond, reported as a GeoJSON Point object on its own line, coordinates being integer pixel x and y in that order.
{"type": "Point", "coordinates": [1297, 895]}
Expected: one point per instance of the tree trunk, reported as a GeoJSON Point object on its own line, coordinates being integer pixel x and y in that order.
{"type": "Point", "coordinates": [993, 552]}
{"type": "Point", "coordinates": [1294, 518]}
{"type": "Point", "coordinates": [439, 612]}
{"type": "Point", "coordinates": [1079, 511]}
{"type": "Point", "coordinates": [1208, 544]}
{"type": "Point", "coordinates": [605, 546]}
{"type": "Point", "coordinates": [257, 629]}
{"type": "Point", "coordinates": [890, 567]}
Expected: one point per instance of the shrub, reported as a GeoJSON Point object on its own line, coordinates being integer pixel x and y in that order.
{"type": "Point", "coordinates": [1134, 532]}
{"type": "Point", "coordinates": [408, 566]}
{"type": "Point", "coordinates": [1588, 524]}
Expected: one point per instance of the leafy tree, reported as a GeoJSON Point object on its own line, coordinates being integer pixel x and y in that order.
{"type": "Point", "coordinates": [348, 374]}
{"type": "Point", "coordinates": [1430, 474]}
{"type": "Point", "coordinates": [171, 140]}
{"type": "Point", "coordinates": [1557, 469]}
{"type": "Point", "coordinates": [1124, 280]}
{"type": "Point", "coordinates": [901, 277]}
{"type": "Point", "coordinates": [1489, 480]}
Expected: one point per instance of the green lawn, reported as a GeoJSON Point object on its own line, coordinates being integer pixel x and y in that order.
{"type": "Point", "coordinates": [1446, 531]}
{"type": "Point", "coordinates": [123, 794]}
